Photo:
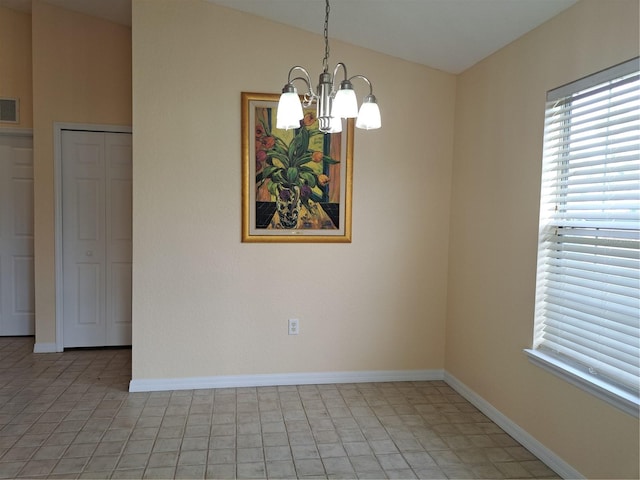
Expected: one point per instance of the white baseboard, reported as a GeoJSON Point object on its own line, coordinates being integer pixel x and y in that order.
{"type": "Point", "coordinates": [236, 381]}
{"type": "Point", "coordinates": [552, 460]}
{"type": "Point", "coordinates": [45, 348]}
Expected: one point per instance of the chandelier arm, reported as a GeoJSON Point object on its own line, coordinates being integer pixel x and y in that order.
{"type": "Point", "coordinates": [308, 100]}
{"type": "Point", "coordinates": [368, 82]}
{"type": "Point", "coordinates": [335, 75]}
{"type": "Point", "coordinates": [309, 95]}
{"type": "Point", "coordinates": [306, 82]}
{"type": "Point", "coordinates": [306, 78]}
{"type": "Point", "coordinates": [335, 70]}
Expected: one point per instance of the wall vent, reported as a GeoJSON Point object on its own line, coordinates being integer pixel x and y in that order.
{"type": "Point", "coordinates": [9, 110]}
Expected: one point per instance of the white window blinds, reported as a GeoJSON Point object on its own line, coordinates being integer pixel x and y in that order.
{"type": "Point", "coordinates": [588, 286]}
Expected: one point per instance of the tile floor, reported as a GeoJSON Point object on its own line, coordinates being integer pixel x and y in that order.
{"type": "Point", "coordinates": [69, 415]}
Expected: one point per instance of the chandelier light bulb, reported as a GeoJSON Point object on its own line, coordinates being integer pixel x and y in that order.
{"type": "Point", "coordinates": [335, 125]}
{"type": "Point", "coordinates": [369, 116]}
{"type": "Point", "coordinates": [345, 105]}
{"type": "Point", "coordinates": [289, 111]}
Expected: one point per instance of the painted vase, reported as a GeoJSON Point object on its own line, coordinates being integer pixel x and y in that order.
{"type": "Point", "coordinates": [288, 206]}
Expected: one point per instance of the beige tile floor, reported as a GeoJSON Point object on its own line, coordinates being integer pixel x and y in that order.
{"type": "Point", "coordinates": [69, 415]}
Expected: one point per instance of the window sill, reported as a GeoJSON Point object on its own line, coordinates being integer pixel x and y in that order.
{"type": "Point", "coordinates": [618, 397]}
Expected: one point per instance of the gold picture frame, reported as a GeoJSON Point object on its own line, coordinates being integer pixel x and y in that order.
{"type": "Point", "coordinates": [296, 184]}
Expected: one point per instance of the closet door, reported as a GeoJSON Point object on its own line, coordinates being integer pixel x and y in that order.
{"type": "Point", "coordinates": [119, 240]}
{"type": "Point", "coordinates": [16, 236]}
{"type": "Point", "coordinates": [96, 237]}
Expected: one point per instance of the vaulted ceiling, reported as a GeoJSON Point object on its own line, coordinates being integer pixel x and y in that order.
{"type": "Point", "coordinates": [449, 35]}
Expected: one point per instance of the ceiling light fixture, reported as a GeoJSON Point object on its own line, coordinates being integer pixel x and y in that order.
{"type": "Point", "coordinates": [332, 104]}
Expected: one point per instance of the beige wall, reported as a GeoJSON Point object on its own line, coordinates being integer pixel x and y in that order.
{"type": "Point", "coordinates": [220, 306]}
{"type": "Point", "coordinates": [81, 74]}
{"type": "Point", "coordinates": [494, 223]}
{"type": "Point", "coordinates": [15, 63]}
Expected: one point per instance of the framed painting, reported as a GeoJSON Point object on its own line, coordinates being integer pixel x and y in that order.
{"type": "Point", "coordinates": [296, 184]}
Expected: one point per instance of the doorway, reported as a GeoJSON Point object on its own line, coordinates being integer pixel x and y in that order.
{"type": "Point", "coordinates": [16, 234]}
{"type": "Point", "coordinates": [94, 219]}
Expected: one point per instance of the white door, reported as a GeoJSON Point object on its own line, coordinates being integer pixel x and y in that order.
{"type": "Point", "coordinates": [16, 236]}
{"type": "Point", "coordinates": [96, 238]}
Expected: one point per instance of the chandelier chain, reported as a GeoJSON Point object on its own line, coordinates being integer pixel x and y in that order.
{"type": "Point", "coordinates": [325, 60]}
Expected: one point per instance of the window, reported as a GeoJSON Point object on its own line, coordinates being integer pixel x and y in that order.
{"type": "Point", "coordinates": [587, 318]}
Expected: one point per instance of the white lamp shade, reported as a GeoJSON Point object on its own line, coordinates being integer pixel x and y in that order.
{"type": "Point", "coordinates": [336, 125]}
{"type": "Point", "coordinates": [289, 111]}
{"type": "Point", "coordinates": [369, 116]}
{"type": "Point", "coordinates": [345, 104]}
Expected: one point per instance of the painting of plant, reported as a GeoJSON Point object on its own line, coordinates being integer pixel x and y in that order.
{"type": "Point", "coordinates": [295, 181]}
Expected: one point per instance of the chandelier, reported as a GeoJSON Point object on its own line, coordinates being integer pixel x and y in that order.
{"type": "Point", "coordinates": [332, 104]}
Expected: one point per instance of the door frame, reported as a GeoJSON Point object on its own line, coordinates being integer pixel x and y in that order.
{"type": "Point", "coordinates": [58, 127]}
